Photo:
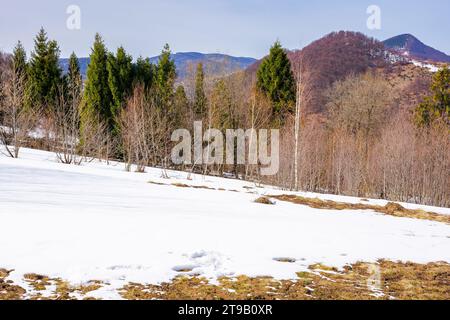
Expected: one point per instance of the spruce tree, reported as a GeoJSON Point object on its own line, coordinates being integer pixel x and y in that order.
{"type": "Point", "coordinates": [165, 78]}
{"type": "Point", "coordinates": [74, 78]}
{"type": "Point", "coordinates": [436, 106]}
{"type": "Point", "coordinates": [200, 96]}
{"type": "Point", "coordinates": [97, 94]}
{"type": "Point", "coordinates": [276, 80]}
{"type": "Point", "coordinates": [20, 68]}
{"type": "Point", "coordinates": [20, 60]}
{"type": "Point", "coordinates": [44, 71]}
{"type": "Point", "coordinates": [120, 73]}
{"type": "Point", "coordinates": [143, 71]}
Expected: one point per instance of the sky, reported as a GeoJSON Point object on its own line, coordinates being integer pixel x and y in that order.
{"type": "Point", "coordinates": [235, 27]}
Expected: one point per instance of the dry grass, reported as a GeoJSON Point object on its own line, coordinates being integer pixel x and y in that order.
{"type": "Point", "coordinates": [37, 281]}
{"type": "Point", "coordinates": [157, 183]}
{"type": "Point", "coordinates": [391, 208]}
{"type": "Point", "coordinates": [406, 281]}
{"type": "Point", "coordinates": [9, 291]}
{"type": "Point", "coordinates": [397, 281]}
{"type": "Point", "coordinates": [180, 185]}
{"type": "Point", "coordinates": [264, 200]}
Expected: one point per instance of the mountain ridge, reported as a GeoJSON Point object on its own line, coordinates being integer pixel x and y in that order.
{"type": "Point", "coordinates": [409, 45]}
{"type": "Point", "coordinates": [215, 64]}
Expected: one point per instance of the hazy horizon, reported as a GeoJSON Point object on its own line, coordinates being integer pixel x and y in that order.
{"type": "Point", "coordinates": [237, 28]}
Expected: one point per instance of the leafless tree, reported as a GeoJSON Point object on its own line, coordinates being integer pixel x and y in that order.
{"type": "Point", "coordinates": [17, 119]}
{"type": "Point", "coordinates": [66, 126]}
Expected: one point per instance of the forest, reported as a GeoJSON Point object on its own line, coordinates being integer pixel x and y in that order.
{"type": "Point", "coordinates": [351, 121]}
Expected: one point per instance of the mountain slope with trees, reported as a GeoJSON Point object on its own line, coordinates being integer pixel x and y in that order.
{"type": "Point", "coordinates": [410, 46]}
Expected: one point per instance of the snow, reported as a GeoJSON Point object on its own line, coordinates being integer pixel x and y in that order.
{"type": "Point", "coordinates": [432, 68]}
{"type": "Point", "coordinates": [98, 222]}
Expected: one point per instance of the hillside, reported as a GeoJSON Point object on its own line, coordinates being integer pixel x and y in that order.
{"type": "Point", "coordinates": [101, 228]}
{"type": "Point", "coordinates": [331, 58]}
{"type": "Point", "coordinates": [410, 46]}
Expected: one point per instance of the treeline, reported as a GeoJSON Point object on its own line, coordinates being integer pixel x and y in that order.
{"type": "Point", "coordinates": [345, 128]}
{"type": "Point", "coordinates": [76, 117]}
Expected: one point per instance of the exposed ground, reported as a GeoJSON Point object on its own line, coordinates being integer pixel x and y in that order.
{"type": "Point", "coordinates": [366, 281]}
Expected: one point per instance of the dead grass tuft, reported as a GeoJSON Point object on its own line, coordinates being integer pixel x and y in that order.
{"type": "Point", "coordinates": [285, 260]}
{"type": "Point", "coordinates": [264, 200]}
{"type": "Point", "coordinates": [4, 273]}
{"type": "Point", "coordinates": [157, 183]}
{"type": "Point", "coordinates": [37, 281]}
{"type": "Point", "coordinates": [180, 185]}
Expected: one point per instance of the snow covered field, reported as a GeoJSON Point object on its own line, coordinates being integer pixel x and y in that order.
{"type": "Point", "coordinates": [98, 222]}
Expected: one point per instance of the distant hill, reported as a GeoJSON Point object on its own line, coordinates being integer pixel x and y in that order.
{"type": "Point", "coordinates": [408, 45]}
{"type": "Point", "coordinates": [215, 64]}
{"type": "Point", "coordinates": [329, 59]}
{"type": "Point", "coordinates": [84, 62]}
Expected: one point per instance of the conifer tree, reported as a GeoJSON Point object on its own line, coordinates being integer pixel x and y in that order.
{"type": "Point", "coordinates": [44, 70]}
{"type": "Point", "coordinates": [200, 96]}
{"type": "Point", "coordinates": [143, 71]}
{"type": "Point", "coordinates": [165, 78]}
{"type": "Point", "coordinates": [276, 80]}
{"type": "Point", "coordinates": [74, 78]}
{"type": "Point", "coordinates": [97, 93]}
{"type": "Point", "coordinates": [20, 60]}
{"type": "Point", "coordinates": [120, 73]}
{"type": "Point", "coordinates": [436, 106]}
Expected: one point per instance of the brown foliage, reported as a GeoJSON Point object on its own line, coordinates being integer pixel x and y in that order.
{"type": "Point", "coordinates": [333, 58]}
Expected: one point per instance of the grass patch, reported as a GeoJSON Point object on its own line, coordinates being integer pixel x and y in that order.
{"type": "Point", "coordinates": [396, 280]}
{"type": "Point", "coordinates": [285, 260]}
{"type": "Point", "coordinates": [180, 185]}
{"type": "Point", "coordinates": [391, 208]}
{"type": "Point", "coordinates": [157, 183]}
{"type": "Point", "coordinates": [37, 281]}
{"type": "Point", "coordinates": [264, 200]}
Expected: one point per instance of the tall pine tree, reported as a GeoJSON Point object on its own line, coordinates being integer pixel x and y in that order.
{"type": "Point", "coordinates": [200, 96]}
{"type": "Point", "coordinates": [120, 78]}
{"type": "Point", "coordinates": [165, 78]}
{"type": "Point", "coordinates": [20, 60]}
{"type": "Point", "coordinates": [44, 71]}
{"type": "Point", "coordinates": [97, 93]}
{"type": "Point", "coordinates": [276, 80]}
{"type": "Point", "coordinates": [73, 77]}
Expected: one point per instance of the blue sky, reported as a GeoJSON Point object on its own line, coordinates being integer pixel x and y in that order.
{"type": "Point", "coordinates": [236, 27]}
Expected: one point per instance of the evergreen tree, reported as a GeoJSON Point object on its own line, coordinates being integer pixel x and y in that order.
{"type": "Point", "coordinates": [120, 73]}
{"type": "Point", "coordinates": [20, 60]}
{"type": "Point", "coordinates": [143, 71]}
{"type": "Point", "coordinates": [44, 70]}
{"type": "Point", "coordinates": [276, 80]}
{"type": "Point", "coordinates": [436, 106]}
{"type": "Point", "coordinates": [97, 93]}
{"type": "Point", "coordinates": [165, 78]}
{"type": "Point", "coordinates": [74, 78]}
{"type": "Point", "coordinates": [20, 68]}
{"type": "Point", "coordinates": [200, 96]}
